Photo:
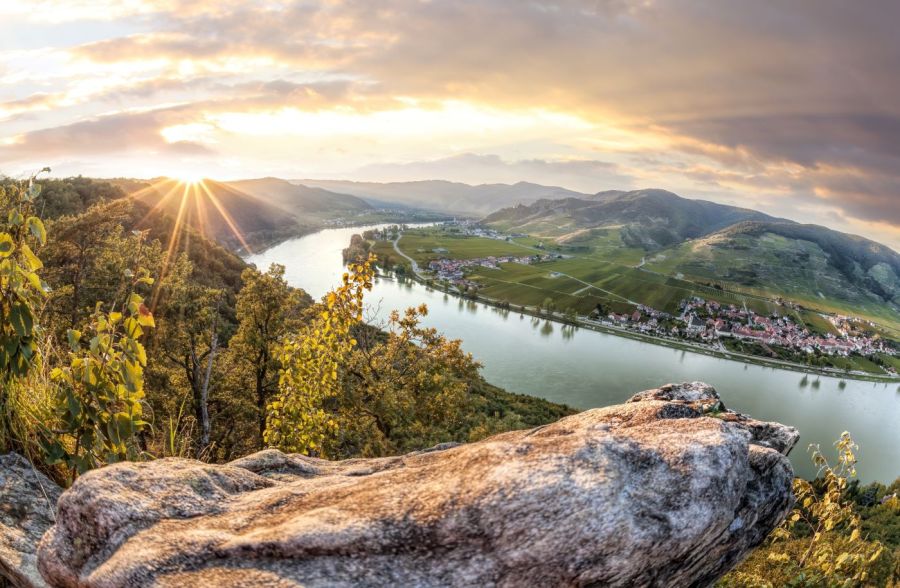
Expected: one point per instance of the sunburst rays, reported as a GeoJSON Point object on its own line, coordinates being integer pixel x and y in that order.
{"type": "Point", "coordinates": [188, 200]}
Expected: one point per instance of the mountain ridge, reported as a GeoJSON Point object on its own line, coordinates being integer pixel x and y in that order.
{"type": "Point", "coordinates": [443, 195]}
{"type": "Point", "coordinates": [708, 241]}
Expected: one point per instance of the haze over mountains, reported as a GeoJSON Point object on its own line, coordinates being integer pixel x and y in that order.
{"type": "Point", "coordinates": [300, 199]}
{"type": "Point", "coordinates": [444, 196]}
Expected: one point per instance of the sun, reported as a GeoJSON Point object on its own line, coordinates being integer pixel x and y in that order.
{"type": "Point", "coordinates": [189, 177]}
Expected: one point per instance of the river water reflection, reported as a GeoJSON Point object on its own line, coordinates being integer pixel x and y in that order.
{"type": "Point", "coordinates": [587, 369]}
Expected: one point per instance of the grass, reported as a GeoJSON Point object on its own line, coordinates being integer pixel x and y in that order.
{"type": "Point", "coordinates": [856, 363]}
{"type": "Point", "coordinates": [817, 323]}
{"type": "Point", "coordinates": [890, 360]}
{"type": "Point", "coordinates": [420, 245]}
{"type": "Point", "coordinates": [599, 269]}
{"type": "Point", "coordinates": [579, 282]}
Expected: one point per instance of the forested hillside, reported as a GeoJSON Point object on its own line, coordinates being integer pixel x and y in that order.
{"type": "Point", "coordinates": [302, 201]}
{"type": "Point", "coordinates": [238, 220]}
{"type": "Point", "coordinates": [185, 342]}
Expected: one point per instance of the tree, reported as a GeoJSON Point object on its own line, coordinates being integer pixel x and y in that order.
{"type": "Point", "coordinates": [190, 342]}
{"type": "Point", "coordinates": [548, 305]}
{"type": "Point", "coordinates": [297, 419]}
{"type": "Point", "coordinates": [403, 390]}
{"type": "Point", "coordinates": [267, 310]}
{"type": "Point", "coordinates": [73, 259]}
{"type": "Point", "coordinates": [821, 541]}
{"type": "Point", "coordinates": [21, 293]}
{"type": "Point", "coordinates": [21, 290]}
{"type": "Point", "coordinates": [102, 388]}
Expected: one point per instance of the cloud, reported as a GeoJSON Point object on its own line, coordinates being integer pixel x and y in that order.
{"type": "Point", "coordinates": [112, 134]}
{"type": "Point", "coordinates": [736, 100]}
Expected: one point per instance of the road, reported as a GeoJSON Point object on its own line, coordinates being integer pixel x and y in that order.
{"type": "Point", "coordinates": [412, 262]}
{"type": "Point", "coordinates": [588, 286]}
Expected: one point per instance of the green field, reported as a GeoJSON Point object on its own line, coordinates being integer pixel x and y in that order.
{"type": "Point", "coordinates": [598, 269]}
{"type": "Point", "coordinates": [817, 323]}
{"type": "Point", "coordinates": [420, 245]}
{"type": "Point", "coordinates": [855, 362]}
{"type": "Point", "coordinates": [890, 361]}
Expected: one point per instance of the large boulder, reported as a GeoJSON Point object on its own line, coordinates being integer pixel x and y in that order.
{"type": "Point", "coordinates": [668, 490]}
{"type": "Point", "coordinates": [27, 503]}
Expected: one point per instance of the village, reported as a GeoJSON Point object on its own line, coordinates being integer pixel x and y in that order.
{"type": "Point", "coordinates": [710, 321]}
{"type": "Point", "coordinates": [704, 320]}
{"type": "Point", "coordinates": [453, 270]}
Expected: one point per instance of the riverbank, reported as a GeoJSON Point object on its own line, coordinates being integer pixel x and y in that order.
{"type": "Point", "coordinates": [680, 344]}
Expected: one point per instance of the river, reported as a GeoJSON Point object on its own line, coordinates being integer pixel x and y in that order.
{"type": "Point", "coordinates": [587, 369]}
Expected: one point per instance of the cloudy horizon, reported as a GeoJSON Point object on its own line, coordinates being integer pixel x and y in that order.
{"type": "Point", "coordinates": [789, 108]}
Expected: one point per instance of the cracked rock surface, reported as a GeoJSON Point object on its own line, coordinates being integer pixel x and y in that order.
{"type": "Point", "coordinates": [668, 489]}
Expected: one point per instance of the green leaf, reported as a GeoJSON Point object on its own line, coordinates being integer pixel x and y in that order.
{"type": "Point", "coordinates": [74, 337]}
{"type": "Point", "coordinates": [7, 245]}
{"type": "Point", "coordinates": [15, 218]}
{"type": "Point", "coordinates": [21, 320]}
{"type": "Point", "coordinates": [36, 227]}
{"type": "Point", "coordinates": [35, 281]}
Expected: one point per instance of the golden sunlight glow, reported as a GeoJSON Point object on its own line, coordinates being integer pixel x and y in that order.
{"type": "Point", "coordinates": [452, 118]}
{"type": "Point", "coordinates": [189, 177]}
{"type": "Point", "coordinates": [193, 205]}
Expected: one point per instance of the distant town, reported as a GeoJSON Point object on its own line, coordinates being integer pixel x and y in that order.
{"type": "Point", "coordinates": [709, 321]}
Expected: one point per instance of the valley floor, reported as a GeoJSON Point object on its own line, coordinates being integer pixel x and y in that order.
{"type": "Point", "coordinates": [568, 289]}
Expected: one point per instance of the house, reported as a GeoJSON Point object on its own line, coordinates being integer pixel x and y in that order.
{"type": "Point", "coordinates": [695, 325]}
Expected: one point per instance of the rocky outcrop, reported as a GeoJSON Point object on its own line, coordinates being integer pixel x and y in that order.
{"type": "Point", "coordinates": [27, 502]}
{"type": "Point", "coordinates": [669, 489]}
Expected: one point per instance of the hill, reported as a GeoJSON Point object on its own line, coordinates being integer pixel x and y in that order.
{"type": "Point", "coordinates": [447, 197]}
{"type": "Point", "coordinates": [79, 211]}
{"type": "Point", "coordinates": [808, 263]}
{"type": "Point", "coordinates": [647, 218]}
{"type": "Point", "coordinates": [234, 218]}
{"type": "Point", "coordinates": [704, 242]}
{"type": "Point", "coordinates": [300, 200]}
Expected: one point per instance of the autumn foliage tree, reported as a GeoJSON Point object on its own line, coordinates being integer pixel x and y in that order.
{"type": "Point", "coordinates": [821, 543]}
{"type": "Point", "coordinates": [297, 418]}
{"type": "Point", "coordinates": [403, 390]}
{"type": "Point", "coordinates": [268, 309]}
{"type": "Point", "coordinates": [350, 389]}
{"type": "Point", "coordinates": [21, 294]}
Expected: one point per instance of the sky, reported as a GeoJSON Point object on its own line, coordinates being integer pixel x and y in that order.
{"type": "Point", "coordinates": [791, 107]}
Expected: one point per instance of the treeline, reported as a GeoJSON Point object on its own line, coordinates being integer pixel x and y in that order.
{"type": "Point", "coordinates": [144, 339]}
